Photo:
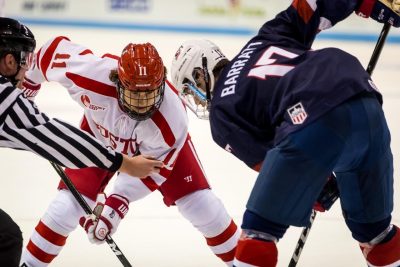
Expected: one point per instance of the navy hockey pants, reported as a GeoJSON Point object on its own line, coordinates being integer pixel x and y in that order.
{"type": "Point", "coordinates": [352, 140]}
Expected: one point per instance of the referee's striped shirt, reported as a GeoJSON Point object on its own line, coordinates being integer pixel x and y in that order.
{"type": "Point", "coordinates": [23, 126]}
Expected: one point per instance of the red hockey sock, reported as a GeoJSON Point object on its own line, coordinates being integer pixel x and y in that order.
{"type": "Point", "coordinates": [256, 253]}
{"type": "Point", "coordinates": [386, 254]}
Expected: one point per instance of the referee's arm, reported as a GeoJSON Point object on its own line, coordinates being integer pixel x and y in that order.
{"type": "Point", "coordinates": [25, 126]}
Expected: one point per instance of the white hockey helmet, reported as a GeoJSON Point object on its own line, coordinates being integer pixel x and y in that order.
{"type": "Point", "coordinates": [192, 73]}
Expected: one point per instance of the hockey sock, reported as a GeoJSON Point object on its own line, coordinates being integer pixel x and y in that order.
{"type": "Point", "coordinates": [207, 213]}
{"type": "Point", "coordinates": [386, 253]}
{"type": "Point", "coordinates": [253, 252]}
{"type": "Point", "coordinates": [226, 239]}
{"type": "Point", "coordinates": [50, 234]}
{"type": "Point", "coordinates": [43, 246]}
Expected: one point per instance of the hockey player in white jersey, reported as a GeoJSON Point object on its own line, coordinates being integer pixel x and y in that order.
{"type": "Point", "coordinates": [131, 107]}
{"type": "Point", "coordinates": [23, 126]}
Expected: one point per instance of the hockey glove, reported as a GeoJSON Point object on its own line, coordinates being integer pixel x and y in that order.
{"type": "Point", "coordinates": [30, 89]}
{"type": "Point", "coordinates": [383, 11]}
{"type": "Point", "coordinates": [105, 218]}
{"type": "Point", "coordinates": [328, 195]}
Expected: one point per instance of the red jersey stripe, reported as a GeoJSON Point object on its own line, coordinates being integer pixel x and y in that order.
{"type": "Point", "coordinates": [50, 235]}
{"type": "Point", "coordinates": [304, 9]}
{"type": "Point", "coordinates": [164, 172]}
{"type": "Point", "coordinates": [111, 56]}
{"type": "Point", "coordinates": [172, 87]}
{"type": "Point", "coordinates": [150, 183]}
{"type": "Point", "coordinates": [38, 253]}
{"type": "Point", "coordinates": [224, 236]}
{"type": "Point", "coordinates": [92, 85]}
{"type": "Point", "coordinates": [85, 126]}
{"type": "Point", "coordinates": [48, 55]}
{"type": "Point", "coordinates": [168, 157]}
{"type": "Point", "coordinates": [175, 91]}
{"type": "Point", "coordinates": [85, 52]}
{"type": "Point", "coordinates": [166, 131]}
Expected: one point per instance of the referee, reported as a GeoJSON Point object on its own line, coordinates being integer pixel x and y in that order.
{"type": "Point", "coordinates": [23, 126]}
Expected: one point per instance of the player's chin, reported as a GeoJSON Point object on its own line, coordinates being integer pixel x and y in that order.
{"type": "Point", "coordinates": [140, 110]}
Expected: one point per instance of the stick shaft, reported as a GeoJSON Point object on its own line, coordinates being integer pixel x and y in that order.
{"type": "Point", "coordinates": [302, 241]}
{"type": "Point", "coordinates": [378, 48]}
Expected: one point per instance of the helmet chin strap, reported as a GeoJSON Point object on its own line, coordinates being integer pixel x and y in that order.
{"type": "Point", "coordinates": [207, 82]}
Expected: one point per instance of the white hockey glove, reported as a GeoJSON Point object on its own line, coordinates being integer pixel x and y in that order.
{"type": "Point", "coordinates": [105, 219]}
{"type": "Point", "coordinates": [383, 11]}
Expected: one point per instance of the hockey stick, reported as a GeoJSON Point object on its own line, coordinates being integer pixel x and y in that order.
{"type": "Point", "coordinates": [378, 48]}
{"type": "Point", "coordinates": [370, 68]}
{"type": "Point", "coordinates": [302, 240]}
{"type": "Point", "coordinates": [78, 197]}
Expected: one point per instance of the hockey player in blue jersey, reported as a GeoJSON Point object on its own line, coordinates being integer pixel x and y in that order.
{"type": "Point", "coordinates": [296, 115]}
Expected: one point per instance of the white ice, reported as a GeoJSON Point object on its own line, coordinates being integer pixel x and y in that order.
{"type": "Point", "coordinates": [153, 235]}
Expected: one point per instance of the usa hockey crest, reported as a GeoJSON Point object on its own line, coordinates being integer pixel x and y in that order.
{"type": "Point", "coordinates": [297, 113]}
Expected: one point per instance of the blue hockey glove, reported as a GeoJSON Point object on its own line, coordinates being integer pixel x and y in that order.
{"type": "Point", "coordinates": [383, 11]}
{"type": "Point", "coordinates": [328, 195]}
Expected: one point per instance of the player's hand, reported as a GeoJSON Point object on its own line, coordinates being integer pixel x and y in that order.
{"type": "Point", "coordinates": [140, 166]}
{"type": "Point", "coordinates": [105, 219]}
{"type": "Point", "coordinates": [328, 195]}
{"type": "Point", "coordinates": [383, 11]}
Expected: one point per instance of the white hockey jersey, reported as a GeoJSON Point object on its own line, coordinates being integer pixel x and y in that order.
{"type": "Point", "coordinates": [86, 77]}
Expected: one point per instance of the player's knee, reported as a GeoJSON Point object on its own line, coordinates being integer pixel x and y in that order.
{"type": "Point", "coordinates": [384, 249]}
{"type": "Point", "coordinates": [64, 212]}
{"type": "Point", "coordinates": [204, 210]}
{"type": "Point", "coordinates": [256, 249]}
{"type": "Point", "coordinates": [255, 222]}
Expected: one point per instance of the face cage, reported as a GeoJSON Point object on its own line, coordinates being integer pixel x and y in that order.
{"type": "Point", "coordinates": [24, 59]}
{"type": "Point", "coordinates": [195, 100]}
{"type": "Point", "coordinates": [153, 107]}
{"type": "Point", "coordinates": [198, 101]}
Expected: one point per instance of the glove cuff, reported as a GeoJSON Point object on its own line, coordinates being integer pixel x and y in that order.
{"type": "Point", "coordinates": [30, 88]}
{"type": "Point", "coordinates": [119, 204]}
{"type": "Point", "coordinates": [365, 9]}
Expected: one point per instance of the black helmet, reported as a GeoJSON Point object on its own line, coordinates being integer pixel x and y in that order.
{"type": "Point", "coordinates": [15, 36]}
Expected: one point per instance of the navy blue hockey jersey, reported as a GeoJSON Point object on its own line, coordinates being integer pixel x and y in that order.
{"type": "Point", "coordinates": [277, 84]}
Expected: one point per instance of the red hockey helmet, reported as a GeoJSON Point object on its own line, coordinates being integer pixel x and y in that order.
{"type": "Point", "coordinates": [141, 83]}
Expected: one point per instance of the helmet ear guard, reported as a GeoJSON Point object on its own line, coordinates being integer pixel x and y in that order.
{"type": "Point", "coordinates": [192, 74]}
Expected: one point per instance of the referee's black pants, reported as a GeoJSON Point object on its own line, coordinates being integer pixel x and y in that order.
{"type": "Point", "coordinates": [10, 241]}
